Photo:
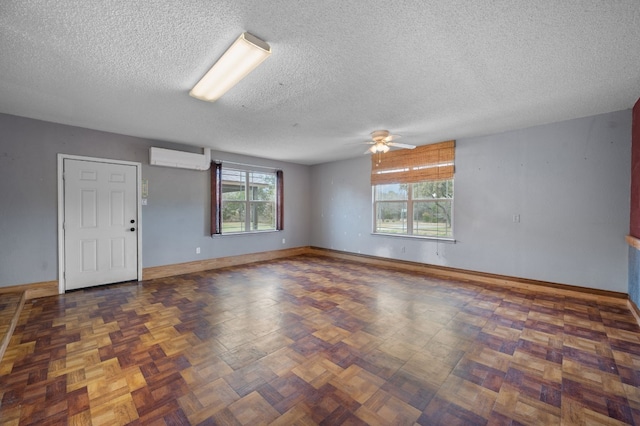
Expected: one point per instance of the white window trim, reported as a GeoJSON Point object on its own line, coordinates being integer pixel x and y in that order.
{"type": "Point", "coordinates": [247, 202]}
{"type": "Point", "coordinates": [409, 215]}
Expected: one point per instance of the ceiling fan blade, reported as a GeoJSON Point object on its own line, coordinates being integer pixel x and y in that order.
{"type": "Point", "coordinates": [401, 145]}
{"type": "Point", "coordinates": [368, 151]}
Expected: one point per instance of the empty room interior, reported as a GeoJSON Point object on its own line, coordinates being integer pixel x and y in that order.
{"type": "Point", "coordinates": [285, 212]}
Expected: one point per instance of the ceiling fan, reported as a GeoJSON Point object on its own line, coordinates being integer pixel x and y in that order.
{"type": "Point", "coordinates": [381, 141]}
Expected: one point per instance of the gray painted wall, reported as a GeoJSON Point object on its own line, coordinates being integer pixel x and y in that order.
{"type": "Point", "coordinates": [568, 181]}
{"type": "Point", "coordinates": [634, 275]}
{"type": "Point", "coordinates": [176, 219]}
{"type": "Point", "coordinates": [174, 222]}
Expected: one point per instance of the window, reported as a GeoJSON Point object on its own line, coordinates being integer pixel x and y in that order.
{"type": "Point", "coordinates": [245, 200]}
{"type": "Point", "coordinates": [413, 191]}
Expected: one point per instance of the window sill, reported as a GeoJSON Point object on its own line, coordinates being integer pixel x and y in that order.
{"type": "Point", "coordinates": [416, 237]}
{"type": "Point", "coordinates": [225, 234]}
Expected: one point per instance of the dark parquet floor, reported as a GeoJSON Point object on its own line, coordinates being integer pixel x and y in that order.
{"type": "Point", "coordinates": [313, 340]}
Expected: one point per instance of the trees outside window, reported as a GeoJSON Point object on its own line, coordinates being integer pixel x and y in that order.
{"type": "Point", "coordinates": [420, 209]}
{"type": "Point", "coordinates": [413, 191]}
{"type": "Point", "coordinates": [248, 201]}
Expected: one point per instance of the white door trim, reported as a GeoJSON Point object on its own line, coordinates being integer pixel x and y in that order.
{"type": "Point", "coordinates": [61, 260]}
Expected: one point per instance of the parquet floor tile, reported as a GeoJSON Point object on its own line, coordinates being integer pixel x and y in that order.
{"type": "Point", "coordinates": [9, 304]}
{"type": "Point", "coordinates": [311, 340]}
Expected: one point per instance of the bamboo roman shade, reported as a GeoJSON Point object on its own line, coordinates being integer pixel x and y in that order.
{"type": "Point", "coordinates": [427, 162]}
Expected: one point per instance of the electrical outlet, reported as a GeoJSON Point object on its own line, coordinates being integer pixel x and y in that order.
{"type": "Point", "coordinates": [197, 250]}
{"type": "Point", "coordinates": [283, 241]}
{"type": "Point", "coordinates": [516, 218]}
{"type": "Point", "coordinates": [403, 250]}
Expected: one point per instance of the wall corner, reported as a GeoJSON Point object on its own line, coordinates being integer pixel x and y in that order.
{"type": "Point", "coordinates": [634, 225]}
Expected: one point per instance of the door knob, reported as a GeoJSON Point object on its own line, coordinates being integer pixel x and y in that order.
{"type": "Point", "coordinates": [133, 229]}
{"type": "Point", "coordinates": [133, 221]}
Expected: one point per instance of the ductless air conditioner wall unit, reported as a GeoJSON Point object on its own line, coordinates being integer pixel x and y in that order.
{"type": "Point", "coordinates": [180, 159]}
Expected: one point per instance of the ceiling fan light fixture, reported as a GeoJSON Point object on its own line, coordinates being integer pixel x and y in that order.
{"type": "Point", "coordinates": [244, 55]}
{"type": "Point", "coordinates": [379, 147]}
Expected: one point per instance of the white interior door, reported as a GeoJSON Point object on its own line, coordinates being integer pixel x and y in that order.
{"type": "Point", "coordinates": [100, 223]}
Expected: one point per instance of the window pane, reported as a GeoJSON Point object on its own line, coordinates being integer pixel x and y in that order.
{"type": "Point", "coordinates": [394, 191]}
{"type": "Point", "coordinates": [248, 201]}
{"type": "Point", "coordinates": [262, 186]}
{"type": "Point", "coordinates": [432, 218]}
{"type": "Point", "coordinates": [433, 189]}
{"type": "Point", "coordinates": [233, 216]}
{"type": "Point", "coordinates": [391, 217]}
{"type": "Point", "coordinates": [263, 216]}
{"type": "Point", "coordinates": [233, 185]}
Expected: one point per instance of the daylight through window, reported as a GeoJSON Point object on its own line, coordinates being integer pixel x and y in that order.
{"type": "Point", "coordinates": [413, 191]}
{"type": "Point", "coordinates": [245, 200]}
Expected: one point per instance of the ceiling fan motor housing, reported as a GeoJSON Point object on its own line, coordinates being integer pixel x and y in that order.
{"type": "Point", "coordinates": [380, 135]}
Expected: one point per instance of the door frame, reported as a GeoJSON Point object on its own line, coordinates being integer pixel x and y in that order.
{"type": "Point", "coordinates": [61, 239]}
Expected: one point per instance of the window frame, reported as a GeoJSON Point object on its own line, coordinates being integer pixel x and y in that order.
{"type": "Point", "coordinates": [218, 200]}
{"type": "Point", "coordinates": [410, 202]}
{"type": "Point", "coordinates": [408, 168]}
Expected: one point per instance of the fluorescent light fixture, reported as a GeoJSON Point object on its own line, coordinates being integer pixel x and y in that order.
{"type": "Point", "coordinates": [244, 55]}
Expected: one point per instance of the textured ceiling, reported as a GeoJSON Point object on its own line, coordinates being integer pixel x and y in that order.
{"type": "Point", "coordinates": [428, 71]}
